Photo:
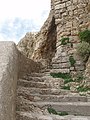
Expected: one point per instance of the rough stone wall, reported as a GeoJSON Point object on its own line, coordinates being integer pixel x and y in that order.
{"type": "Point", "coordinates": [45, 44]}
{"type": "Point", "coordinates": [66, 19]}
{"type": "Point", "coordinates": [27, 44]}
{"type": "Point", "coordinates": [8, 80]}
{"type": "Point", "coordinates": [27, 66]}
{"type": "Point", "coordinates": [71, 16]}
{"type": "Point", "coordinates": [87, 73]}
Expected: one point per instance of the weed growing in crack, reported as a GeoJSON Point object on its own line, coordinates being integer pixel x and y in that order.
{"type": "Point", "coordinates": [53, 111]}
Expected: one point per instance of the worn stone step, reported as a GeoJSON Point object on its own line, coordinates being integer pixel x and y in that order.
{"type": "Point", "coordinates": [52, 98]}
{"type": "Point", "coordinates": [33, 116]}
{"type": "Point", "coordinates": [45, 70]}
{"type": "Point", "coordinates": [43, 91]}
{"type": "Point", "coordinates": [47, 73]}
{"type": "Point", "coordinates": [65, 70]}
{"type": "Point", "coordinates": [34, 79]}
{"type": "Point", "coordinates": [88, 98]}
{"type": "Point", "coordinates": [74, 108]}
{"type": "Point", "coordinates": [25, 116]}
{"type": "Point", "coordinates": [37, 74]}
{"type": "Point", "coordinates": [25, 83]}
{"type": "Point", "coordinates": [61, 66]}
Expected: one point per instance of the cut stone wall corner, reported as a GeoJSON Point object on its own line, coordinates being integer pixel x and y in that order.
{"type": "Point", "coordinates": [8, 80]}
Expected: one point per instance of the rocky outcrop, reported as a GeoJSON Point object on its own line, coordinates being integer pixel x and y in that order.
{"type": "Point", "coordinates": [41, 46]}
{"type": "Point", "coordinates": [46, 42]}
{"type": "Point", "coordinates": [27, 44]}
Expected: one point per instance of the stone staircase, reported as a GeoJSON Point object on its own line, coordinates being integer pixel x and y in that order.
{"type": "Point", "coordinates": [36, 93]}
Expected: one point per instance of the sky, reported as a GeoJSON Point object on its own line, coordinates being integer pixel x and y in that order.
{"type": "Point", "coordinates": [17, 17]}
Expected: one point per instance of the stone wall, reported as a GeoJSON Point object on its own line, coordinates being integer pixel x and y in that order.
{"type": "Point", "coordinates": [87, 73]}
{"type": "Point", "coordinates": [13, 65]}
{"type": "Point", "coordinates": [8, 79]}
{"type": "Point", "coordinates": [27, 66]}
{"type": "Point", "coordinates": [71, 17]}
{"type": "Point", "coordinates": [66, 19]}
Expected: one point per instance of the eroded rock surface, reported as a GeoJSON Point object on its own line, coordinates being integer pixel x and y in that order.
{"type": "Point", "coordinates": [41, 46]}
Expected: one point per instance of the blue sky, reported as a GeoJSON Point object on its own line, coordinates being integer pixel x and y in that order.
{"type": "Point", "coordinates": [20, 16]}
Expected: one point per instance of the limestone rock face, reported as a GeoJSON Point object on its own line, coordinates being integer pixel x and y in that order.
{"type": "Point", "coordinates": [26, 44]}
{"type": "Point", "coordinates": [41, 46]}
{"type": "Point", "coordinates": [46, 42]}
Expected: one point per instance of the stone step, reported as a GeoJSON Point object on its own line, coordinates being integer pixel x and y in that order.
{"type": "Point", "coordinates": [72, 108]}
{"type": "Point", "coordinates": [66, 70]}
{"type": "Point", "coordinates": [34, 79]}
{"type": "Point", "coordinates": [47, 73]}
{"type": "Point", "coordinates": [25, 83]}
{"type": "Point", "coordinates": [33, 116]}
{"type": "Point", "coordinates": [45, 70]}
{"type": "Point", "coordinates": [43, 91]}
{"type": "Point", "coordinates": [88, 98]}
{"type": "Point", "coordinates": [37, 74]}
{"type": "Point", "coordinates": [25, 116]}
{"type": "Point", "coordinates": [52, 98]}
{"type": "Point", "coordinates": [61, 65]}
